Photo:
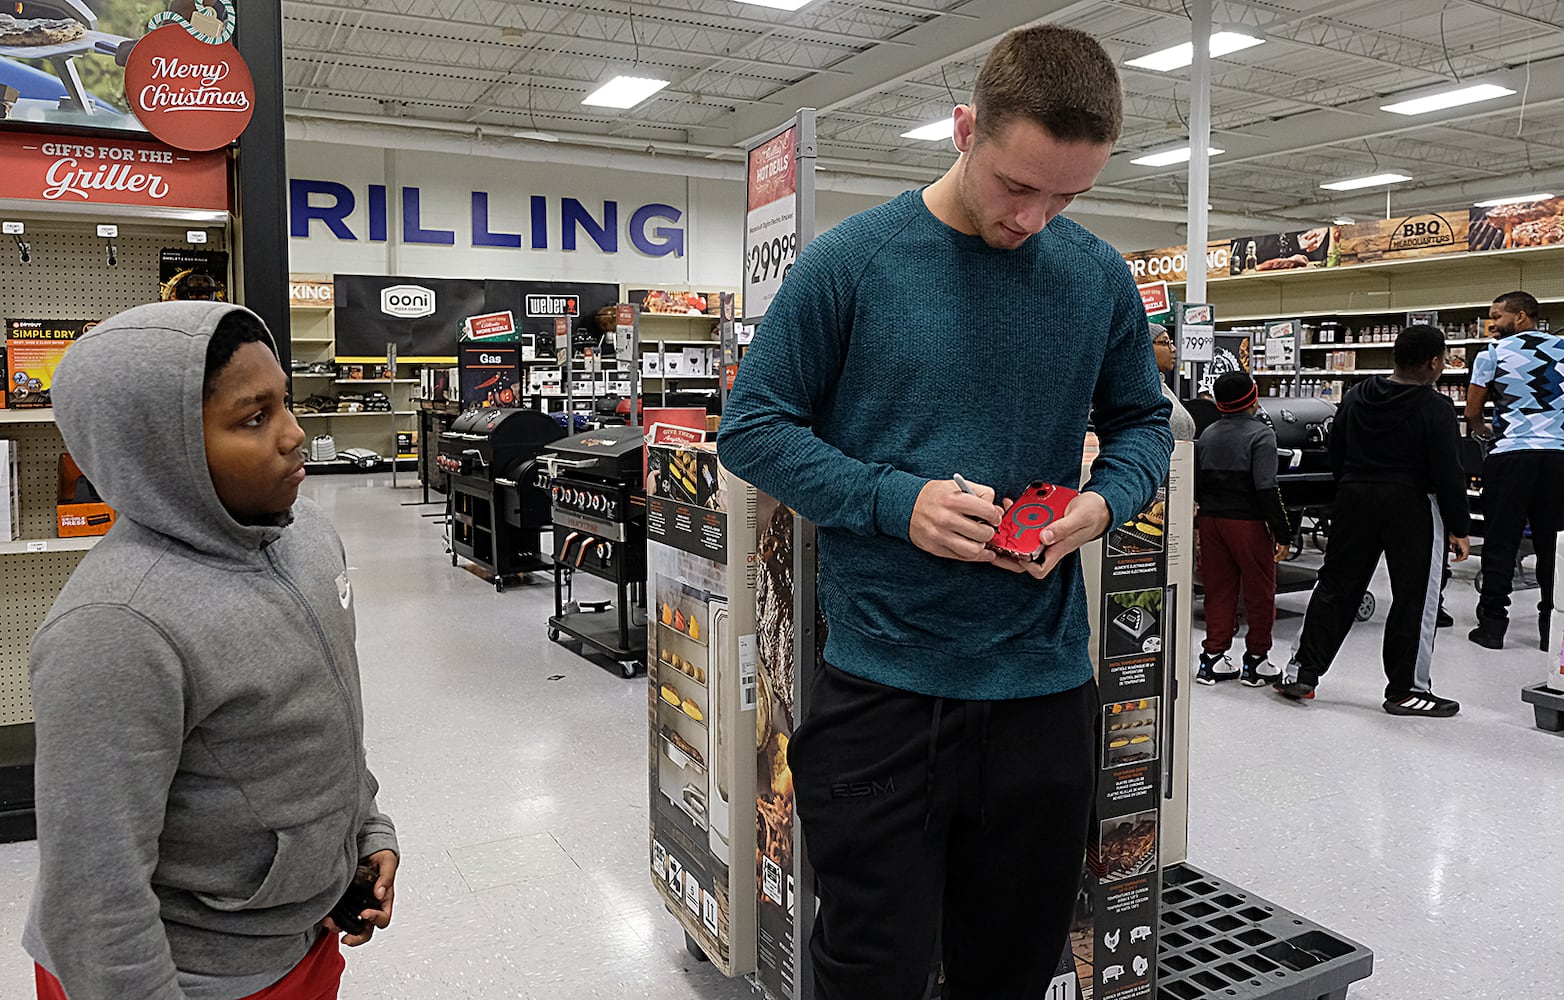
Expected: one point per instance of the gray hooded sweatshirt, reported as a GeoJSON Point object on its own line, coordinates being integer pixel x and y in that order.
{"type": "Point", "coordinates": [203, 797]}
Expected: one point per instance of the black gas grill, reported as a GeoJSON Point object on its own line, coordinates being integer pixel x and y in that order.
{"type": "Point", "coordinates": [497, 508]}
{"type": "Point", "coordinates": [1302, 426]}
{"type": "Point", "coordinates": [599, 515]}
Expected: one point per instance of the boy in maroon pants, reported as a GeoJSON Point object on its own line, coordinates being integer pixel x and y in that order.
{"type": "Point", "coordinates": [1243, 532]}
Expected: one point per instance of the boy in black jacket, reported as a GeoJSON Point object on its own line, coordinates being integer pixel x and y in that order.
{"type": "Point", "coordinates": [1395, 451]}
{"type": "Point", "coordinates": [1243, 532]}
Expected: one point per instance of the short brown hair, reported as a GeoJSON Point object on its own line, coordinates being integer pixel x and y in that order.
{"type": "Point", "coordinates": [1058, 77]}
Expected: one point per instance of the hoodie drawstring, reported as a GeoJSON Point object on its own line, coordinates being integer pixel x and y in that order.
{"type": "Point", "coordinates": [928, 809]}
{"type": "Point", "coordinates": [984, 716]}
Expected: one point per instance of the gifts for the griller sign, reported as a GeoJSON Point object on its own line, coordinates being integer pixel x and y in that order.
{"type": "Point", "coordinates": [1113, 940]}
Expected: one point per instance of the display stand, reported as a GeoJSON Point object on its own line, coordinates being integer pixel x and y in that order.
{"type": "Point", "coordinates": [701, 668]}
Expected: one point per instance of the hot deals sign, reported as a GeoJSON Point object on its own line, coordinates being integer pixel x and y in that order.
{"type": "Point", "coordinates": [102, 171]}
{"type": "Point", "coordinates": [187, 92]}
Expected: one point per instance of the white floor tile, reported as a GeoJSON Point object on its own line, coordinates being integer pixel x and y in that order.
{"type": "Point", "coordinates": [521, 800]}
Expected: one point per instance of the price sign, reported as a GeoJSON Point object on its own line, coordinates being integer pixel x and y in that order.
{"type": "Point", "coordinates": [771, 220]}
{"type": "Point", "coordinates": [1197, 343]}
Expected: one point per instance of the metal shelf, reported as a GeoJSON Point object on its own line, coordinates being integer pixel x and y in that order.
{"type": "Point", "coordinates": [42, 415]}
{"type": "Point", "coordinates": [360, 413]}
{"type": "Point", "coordinates": [376, 381]}
{"type": "Point", "coordinates": [1385, 347]}
{"type": "Point", "coordinates": [33, 546]}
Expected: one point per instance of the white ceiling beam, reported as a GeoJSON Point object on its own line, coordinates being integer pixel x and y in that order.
{"type": "Point", "coordinates": [1498, 8]}
{"type": "Point", "coordinates": [1315, 130]}
{"type": "Point", "coordinates": [932, 44]}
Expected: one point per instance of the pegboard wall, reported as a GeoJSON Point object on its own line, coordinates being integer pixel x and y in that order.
{"type": "Point", "coordinates": [30, 581]}
{"type": "Point", "coordinates": [70, 277]}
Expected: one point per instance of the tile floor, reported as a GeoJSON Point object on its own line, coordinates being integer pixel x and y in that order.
{"type": "Point", "coordinates": [521, 801]}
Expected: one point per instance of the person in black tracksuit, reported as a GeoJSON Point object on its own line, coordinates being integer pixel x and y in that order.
{"type": "Point", "coordinates": [1401, 491]}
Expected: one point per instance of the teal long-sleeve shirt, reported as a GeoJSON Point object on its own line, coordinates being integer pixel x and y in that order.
{"type": "Point", "coordinates": [899, 351]}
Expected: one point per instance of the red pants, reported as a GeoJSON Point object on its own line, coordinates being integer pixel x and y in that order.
{"type": "Point", "coordinates": [1236, 554]}
{"type": "Point", "coordinates": [315, 978]}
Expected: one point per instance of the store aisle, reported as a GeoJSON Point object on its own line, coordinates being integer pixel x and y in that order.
{"type": "Point", "coordinates": [517, 776]}
{"type": "Point", "coordinates": [1428, 840]}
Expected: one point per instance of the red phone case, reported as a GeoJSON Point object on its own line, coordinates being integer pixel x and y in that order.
{"type": "Point", "coordinates": [1020, 532]}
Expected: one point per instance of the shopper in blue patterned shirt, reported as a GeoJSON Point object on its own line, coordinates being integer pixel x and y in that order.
{"type": "Point", "coordinates": [1523, 477]}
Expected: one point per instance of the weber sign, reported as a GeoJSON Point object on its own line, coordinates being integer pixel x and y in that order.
{"type": "Point", "coordinates": [407, 301]}
{"type": "Point", "coordinates": [552, 306]}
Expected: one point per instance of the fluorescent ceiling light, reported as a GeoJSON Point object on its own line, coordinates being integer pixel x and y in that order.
{"type": "Point", "coordinates": [777, 4]}
{"type": "Point", "coordinates": [1169, 157]}
{"type": "Point", "coordinates": [1518, 199]}
{"type": "Point", "coordinates": [1344, 220]}
{"type": "Point", "coordinates": [1374, 180]}
{"type": "Point", "coordinates": [624, 92]}
{"type": "Point", "coordinates": [1222, 43]}
{"type": "Point", "coordinates": [1448, 99]}
{"type": "Point", "coordinates": [933, 131]}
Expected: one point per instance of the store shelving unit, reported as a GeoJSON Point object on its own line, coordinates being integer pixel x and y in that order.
{"type": "Point", "coordinates": [314, 341]}
{"type": "Point", "coordinates": [1457, 286]}
{"type": "Point", "coordinates": [68, 278]}
{"type": "Point", "coordinates": [662, 333]}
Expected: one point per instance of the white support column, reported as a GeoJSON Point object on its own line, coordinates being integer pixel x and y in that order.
{"type": "Point", "coordinates": [1199, 143]}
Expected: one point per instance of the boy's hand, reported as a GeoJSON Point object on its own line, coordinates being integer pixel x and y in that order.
{"type": "Point", "coordinates": [1460, 547]}
{"type": "Point", "coordinates": [1282, 552]}
{"type": "Point", "coordinates": [952, 524]}
{"type": "Point", "coordinates": [1085, 519]}
{"type": "Point", "coordinates": [385, 865]}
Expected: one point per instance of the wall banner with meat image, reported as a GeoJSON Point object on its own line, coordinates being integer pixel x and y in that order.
{"type": "Point", "coordinates": [1291, 251]}
{"type": "Point", "coordinates": [1113, 939]}
{"type": "Point", "coordinates": [1538, 222]}
{"type": "Point", "coordinates": [701, 656]}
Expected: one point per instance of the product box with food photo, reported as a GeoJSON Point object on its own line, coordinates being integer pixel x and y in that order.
{"type": "Point", "coordinates": [701, 711]}
{"type": "Point", "coordinates": [33, 350]}
{"type": "Point", "coordinates": [781, 877]}
{"type": "Point", "coordinates": [1136, 639]}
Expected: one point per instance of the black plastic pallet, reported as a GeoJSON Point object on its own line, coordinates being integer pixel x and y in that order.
{"type": "Point", "coordinates": [1220, 941]}
{"type": "Point", "coordinates": [1548, 706]}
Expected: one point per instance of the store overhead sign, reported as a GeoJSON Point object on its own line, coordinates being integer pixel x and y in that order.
{"type": "Point", "coordinates": [1171, 264]}
{"type": "Point", "coordinates": [1294, 250]}
{"type": "Point", "coordinates": [102, 171]}
{"type": "Point", "coordinates": [552, 306]}
{"type": "Point", "coordinates": [407, 301]}
{"type": "Point", "coordinates": [1423, 235]}
{"type": "Point", "coordinates": [187, 92]}
{"type": "Point", "coordinates": [1538, 222]}
{"type": "Point", "coordinates": [311, 294]}
{"type": "Point", "coordinates": [1154, 296]}
{"type": "Point", "coordinates": [770, 220]}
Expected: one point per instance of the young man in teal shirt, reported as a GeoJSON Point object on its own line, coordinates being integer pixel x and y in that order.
{"type": "Point", "coordinates": [958, 684]}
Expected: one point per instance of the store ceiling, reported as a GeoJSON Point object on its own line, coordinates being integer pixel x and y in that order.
{"type": "Point", "coordinates": [1301, 109]}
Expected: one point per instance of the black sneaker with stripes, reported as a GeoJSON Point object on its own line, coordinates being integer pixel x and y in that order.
{"type": "Point", "coordinates": [1424, 703]}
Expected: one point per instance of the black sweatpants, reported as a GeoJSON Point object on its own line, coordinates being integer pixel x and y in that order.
{"type": "Point", "coordinates": [1519, 486]}
{"type": "Point", "coordinates": [1404, 525]}
{"type": "Point", "coordinates": [928, 819]}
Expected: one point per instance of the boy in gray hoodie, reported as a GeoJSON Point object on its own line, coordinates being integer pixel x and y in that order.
{"type": "Point", "coordinates": [203, 797]}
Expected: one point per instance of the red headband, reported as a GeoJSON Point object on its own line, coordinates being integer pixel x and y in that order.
{"type": "Point", "coordinates": [1241, 403]}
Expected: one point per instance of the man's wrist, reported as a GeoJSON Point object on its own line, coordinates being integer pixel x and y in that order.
{"type": "Point", "coordinates": [1105, 516]}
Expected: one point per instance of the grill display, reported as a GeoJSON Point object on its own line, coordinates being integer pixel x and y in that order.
{"type": "Point", "coordinates": [598, 509]}
{"type": "Point", "coordinates": [497, 508]}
